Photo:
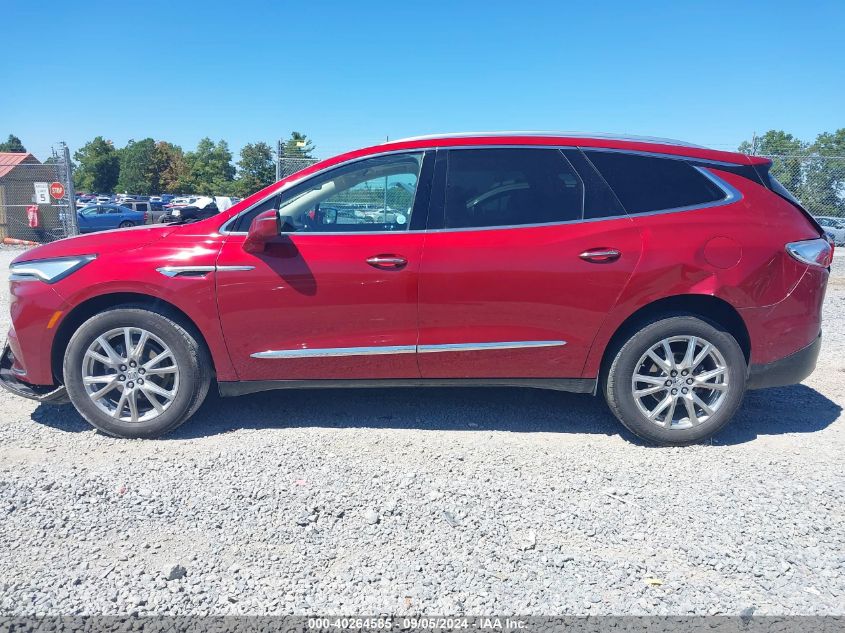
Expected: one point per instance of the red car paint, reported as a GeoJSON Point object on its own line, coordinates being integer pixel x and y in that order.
{"type": "Point", "coordinates": [460, 286]}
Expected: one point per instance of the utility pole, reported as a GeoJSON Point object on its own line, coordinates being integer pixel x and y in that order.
{"type": "Point", "coordinates": [73, 225]}
{"type": "Point", "coordinates": [278, 160]}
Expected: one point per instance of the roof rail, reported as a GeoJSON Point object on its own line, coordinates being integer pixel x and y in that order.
{"type": "Point", "coordinates": [592, 135]}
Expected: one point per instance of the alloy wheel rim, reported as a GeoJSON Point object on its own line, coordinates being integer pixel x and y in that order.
{"type": "Point", "coordinates": [680, 382]}
{"type": "Point", "coordinates": [130, 374]}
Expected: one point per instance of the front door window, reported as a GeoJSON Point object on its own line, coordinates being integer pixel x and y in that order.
{"type": "Point", "coordinates": [376, 194]}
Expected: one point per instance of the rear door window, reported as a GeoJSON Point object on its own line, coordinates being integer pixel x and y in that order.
{"type": "Point", "coordinates": [651, 183]}
{"type": "Point", "coordinates": [599, 201]}
{"type": "Point", "coordinates": [511, 187]}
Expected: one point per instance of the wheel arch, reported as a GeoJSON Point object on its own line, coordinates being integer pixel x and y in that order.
{"type": "Point", "coordinates": [711, 308]}
{"type": "Point", "coordinates": [101, 303]}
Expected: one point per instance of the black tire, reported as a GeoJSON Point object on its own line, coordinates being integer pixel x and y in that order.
{"type": "Point", "coordinates": [191, 357]}
{"type": "Point", "coordinates": [126, 224]}
{"type": "Point", "coordinates": [619, 390]}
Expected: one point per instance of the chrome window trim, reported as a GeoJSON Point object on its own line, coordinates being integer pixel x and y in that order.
{"type": "Point", "coordinates": [375, 350]}
{"type": "Point", "coordinates": [731, 193]}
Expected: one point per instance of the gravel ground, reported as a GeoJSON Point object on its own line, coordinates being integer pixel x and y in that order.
{"type": "Point", "coordinates": [442, 501]}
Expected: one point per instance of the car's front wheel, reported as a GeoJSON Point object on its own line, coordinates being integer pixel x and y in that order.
{"type": "Point", "coordinates": [677, 381]}
{"type": "Point", "coordinates": [134, 372]}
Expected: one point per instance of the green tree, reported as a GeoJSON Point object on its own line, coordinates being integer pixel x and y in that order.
{"type": "Point", "coordinates": [256, 168]}
{"type": "Point", "coordinates": [137, 164]}
{"type": "Point", "coordinates": [12, 144]}
{"type": "Point", "coordinates": [99, 166]}
{"type": "Point", "coordinates": [790, 153]}
{"type": "Point", "coordinates": [299, 146]}
{"type": "Point", "coordinates": [210, 169]}
{"type": "Point", "coordinates": [824, 175]}
{"type": "Point", "coordinates": [169, 170]}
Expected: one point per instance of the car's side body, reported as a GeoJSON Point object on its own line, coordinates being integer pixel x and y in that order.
{"type": "Point", "coordinates": [102, 217]}
{"type": "Point", "coordinates": [141, 206]}
{"type": "Point", "coordinates": [535, 304]}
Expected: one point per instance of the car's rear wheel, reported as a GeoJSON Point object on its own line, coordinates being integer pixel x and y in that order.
{"type": "Point", "coordinates": [135, 372]}
{"type": "Point", "coordinates": [126, 224]}
{"type": "Point", "coordinates": [677, 381]}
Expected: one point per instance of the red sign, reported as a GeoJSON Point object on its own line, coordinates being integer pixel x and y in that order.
{"type": "Point", "coordinates": [32, 216]}
{"type": "Point", "coordinates": [57, 190]}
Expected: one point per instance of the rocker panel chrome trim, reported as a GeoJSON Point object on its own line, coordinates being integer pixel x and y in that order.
{"type": "Point", "coordinates": [481, 347]}
{"type": "Point", "coordinates": [336, 351]}
{"type": "Point", "coordinates": [402, 349]}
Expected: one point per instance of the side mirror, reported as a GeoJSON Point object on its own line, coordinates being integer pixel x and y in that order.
{"type": "Point", "coordinates": [264, 228]}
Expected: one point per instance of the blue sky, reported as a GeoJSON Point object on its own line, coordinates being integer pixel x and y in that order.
{"type": "Point", "coordinates": [350, 74]}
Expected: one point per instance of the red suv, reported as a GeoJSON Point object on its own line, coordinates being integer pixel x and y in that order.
{"type": "Point", "coordinates": [668, 277]}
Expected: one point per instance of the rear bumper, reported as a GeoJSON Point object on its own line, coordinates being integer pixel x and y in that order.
{"type": "Point", "coordinates": [779, 330]}
{"type": "Point", "coordinates": [54, 394]}
{"type": "Point", "coordinates": [789, 370]}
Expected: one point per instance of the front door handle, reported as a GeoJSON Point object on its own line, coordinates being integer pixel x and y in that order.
{"type": "Point", "coordinates": [387, 262]}
{"type": "Point", "coordinates": [600, 255]}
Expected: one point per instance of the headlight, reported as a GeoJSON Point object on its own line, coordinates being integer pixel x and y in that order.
{"type": "Point", "coordinates": [48, 270]}
{"type": "Point", "coordinates": [176, 213]}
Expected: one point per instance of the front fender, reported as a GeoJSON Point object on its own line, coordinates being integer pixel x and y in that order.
{"type": "Point", "coordinates": [195, 296]}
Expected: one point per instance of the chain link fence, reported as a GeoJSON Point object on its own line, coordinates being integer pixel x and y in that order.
{"type": "Point", "coordinates": [817, 181]}
{"type": "Point", "coordinates": [287, 165]}
{"type": "Point", "coordinates": [36, 199]}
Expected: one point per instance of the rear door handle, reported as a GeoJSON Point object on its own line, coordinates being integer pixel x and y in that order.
{"type": "Point", "coordinates": [600, 255]}
{"type": "Point", "coordinates": [387, 262]}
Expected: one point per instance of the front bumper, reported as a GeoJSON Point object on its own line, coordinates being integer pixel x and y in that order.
{"type": "Point", "coordinates": [53, 394]}
{"type": "Point", "coordinates": [787, 371]}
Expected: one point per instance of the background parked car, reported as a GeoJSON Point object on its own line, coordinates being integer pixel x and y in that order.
{"type": "Point", "coordinates": [834, 228]}
{"type": "Point", "coordinates": [85, 200]}
{"type": "Point", "coordinates": [204, 207]}
{"type": "Point", "coordinates": [156, 209]}
{"type": "Point", "coordinates": [141, 207]}
{"type": "Point", "coordinates": [101, 217]}
{"type": "Point", "coordinates": [180, 201]}
{"type": "Point", "coordinates": [201, 209]}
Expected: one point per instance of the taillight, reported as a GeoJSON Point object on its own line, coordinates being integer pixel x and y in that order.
{"type": "Point", "coordinates": [146, 217]}
{"type": "Point", "coordinates": [818, 252]}
{"type": "Point", "coordinates": [832, 245]}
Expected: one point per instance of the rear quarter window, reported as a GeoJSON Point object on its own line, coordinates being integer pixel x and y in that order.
{"type": "Point", "coordinates": [650, 183]}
